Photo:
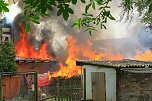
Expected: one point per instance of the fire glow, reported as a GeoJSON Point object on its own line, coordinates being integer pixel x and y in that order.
{"type": "Point", "coordinates": [26, 50]}
{"type": "Point", "coordinates": [75, 52]}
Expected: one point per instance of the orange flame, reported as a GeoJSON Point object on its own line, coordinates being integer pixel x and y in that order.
{"type": "Point", "coordinates": [75, 52]}
{"type": "Point", "coordinates": [26, 50]}
{"type": "Point", "coordinates": [146, 56]}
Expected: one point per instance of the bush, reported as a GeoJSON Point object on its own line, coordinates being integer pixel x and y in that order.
{"type": "Point", "coordinates": [7, 57]}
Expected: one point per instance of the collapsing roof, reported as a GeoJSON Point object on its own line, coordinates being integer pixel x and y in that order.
{"type": "Point", "coordinates": [125, 63]}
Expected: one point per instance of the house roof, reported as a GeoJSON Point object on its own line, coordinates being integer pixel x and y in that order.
{"type": "Point", "coordinates": [125, 63]}
{"type": "Point", "coordinates": [33, 60]}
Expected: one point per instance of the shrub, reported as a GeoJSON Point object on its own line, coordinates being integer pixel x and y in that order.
{"type": "Point", "coordinates": [7, 57]}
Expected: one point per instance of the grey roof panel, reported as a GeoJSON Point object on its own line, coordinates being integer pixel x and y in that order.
{"type": "Point", "coordinates": [125, 63]}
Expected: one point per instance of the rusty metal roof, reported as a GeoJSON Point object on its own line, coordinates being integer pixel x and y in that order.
{"type": "Point", "coordinates": [125, 63]}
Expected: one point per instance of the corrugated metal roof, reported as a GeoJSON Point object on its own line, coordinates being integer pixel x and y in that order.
{"type": "Point", "coordinates": [33, 60]}
{"type": "Point", "coordinates": [125, 63]}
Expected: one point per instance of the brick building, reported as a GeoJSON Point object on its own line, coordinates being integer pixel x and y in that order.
{"type": "Point", "coordinates": [123, 80]}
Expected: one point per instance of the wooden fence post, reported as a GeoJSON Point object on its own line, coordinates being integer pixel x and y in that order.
{"type": "Point", "coordinates": [1, 88]}
{"type": "Point", "coordinates": [84, 87]}
{"type": "Point", "coordinates": [36, 85]}
{"type": "Point", "coordinates": [58, 92]}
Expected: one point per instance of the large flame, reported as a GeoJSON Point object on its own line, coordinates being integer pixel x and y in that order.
{"type": "Point", "coordinates": [146, 56]}
{"type": "Point", "coordinates": [25, 49]}
{"type": "Point", "coordinates": [75, 52]}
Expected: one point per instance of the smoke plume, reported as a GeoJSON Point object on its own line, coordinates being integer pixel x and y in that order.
{"type": "Point", "coordinates": [123, 37]}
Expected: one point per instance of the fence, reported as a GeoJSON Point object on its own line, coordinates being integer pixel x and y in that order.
{"type": "Point", "coordinates": [64, 89]}
{"type": "Point", "coordinates": [18, 86]}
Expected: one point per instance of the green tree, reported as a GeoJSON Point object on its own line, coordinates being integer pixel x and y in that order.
{"type": "Point", "coordinates": [143, 7]}
{"type": "Point", "coordinates": [88, 21]}
{"type": "Point", "coordinates": [3, 6]}
{"type": "Point", "coordinates": [7, 57]}
{"type": "Point", "coordinates": [34, 10]}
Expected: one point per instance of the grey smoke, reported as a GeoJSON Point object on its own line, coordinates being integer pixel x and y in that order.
{"type": "Point", "coordinates": [145, 38]}
{"type": "Point", "coordinates": [119, 36]}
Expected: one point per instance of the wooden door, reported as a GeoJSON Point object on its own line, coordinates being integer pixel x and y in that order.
{"type": "Point", "coordinates": [98, 86]}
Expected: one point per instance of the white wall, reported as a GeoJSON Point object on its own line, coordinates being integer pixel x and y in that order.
{"type": "Point", "coordinates": [110, 74]}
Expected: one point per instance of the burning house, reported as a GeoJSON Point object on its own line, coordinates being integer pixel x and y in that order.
{"type": "Point", "coordinates": [31, 64]}
{"type": "Point", "coordinates": [54, 78]}
{"type": "Point", "coordinates": [50, 40]}
{"type": "Point", "coordinates": [117, 80]}
{"type": "Point", "coordinates": [67, 70]}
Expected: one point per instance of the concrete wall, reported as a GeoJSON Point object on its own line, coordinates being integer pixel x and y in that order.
{"type": "Point", "coordinates": [110, 74]}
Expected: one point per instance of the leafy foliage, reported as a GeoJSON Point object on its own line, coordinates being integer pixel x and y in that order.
{"type": "Point", "coordinates": [38, 8]}
{"type": "Point", "coordinates": [147, 18]}
{"type": "Point", "coordinates": [3, 6]}
{"type": "Point", "coordinates": [144, 7]}
{"type": "Point", "coordinates": [89, 22]}
{"type": "Point", "coordinates": [7, 57]}
{"type": "Point", "coordinates": [34, 10]}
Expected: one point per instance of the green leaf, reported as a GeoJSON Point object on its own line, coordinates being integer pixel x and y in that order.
{"type": "Point", "coordinates": [35, 21]}
{"type": "Point", "coordinates": [70, 10]}
{"type": "Point", "coordinates": [43, 10]}
{"type": "Point", "coordinates": [77, 23]}
{"type": "Point", "coordinates": [100, 2]}
{"type": "Point", "coordinates": [74, 2]}
{"type": "Point", "coordinates": [84, 14]}
{"type": "Point", "coordinates": [65, 15]}
{"type": "Point", "coordinates": [60, 11]}
{"type": "Point", "coordinates": [98, 21]}
{"type": "Point", "coordinates": [106, 20]}
{"type": "Point", "coordinates": [93, 5]}
{"type": "Point", "coordinates": [111, 17]}
{"type": "Point", "coordinates": [67, 1]}
{"type": "Point", "coordinates": [52, 2]}
{"type": "Point", "coordinates": [89, 15]}
{"type": "Point", "coordinates": [83, 1]}
{"type": "Point", "coordinates": [36, 17]}
{"type": "Point", "coordinates": [100, 8]}
{"type": "Point", "coordinates": [148, 1]}
{"type": "Point", "coordinates": [5, 9]}
{"type": "Point", "coordinates": [150, 8]}
{"type": "Point", "coordinates": [4, 4]}
{"type": "Point", "coordinates": [106, 13]}
{"type": "Point", "coordinates": [46, 14]}
{"type": "Point", "coordinates": [0, 9]}
{"type": "Point", "coordinates": [66, 5]}
{"type": "Point", "coordinates": [36, 2]}
{"type": "Point", "coordinates": [107, 7]}
{"type": "Point", "coordinates": [60, 6]}
{"type": "Point", "coordinates": [90, 33]}
{"type": "Point", "coordinates": [87, 8]}
{"type": "Point", "coordinates": [90, 28]}
{"type": "Point", "coordinates": [104, 26]}
{"type": "Point", "coordinates": [27, 27]}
